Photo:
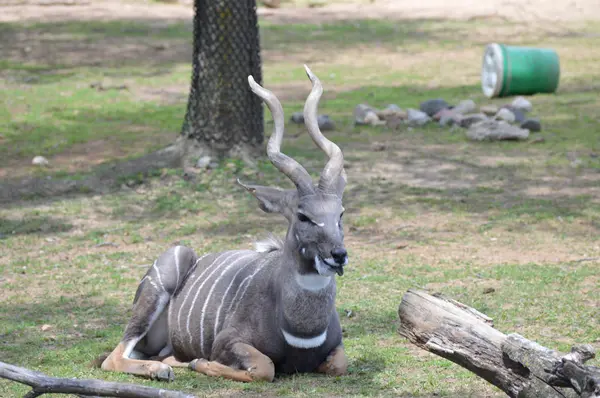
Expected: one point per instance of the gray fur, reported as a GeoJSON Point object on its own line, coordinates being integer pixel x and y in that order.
{"type": "Point", "coordinates": [247, 296]}
{"type": "Point", "coordinates": [279, 299]}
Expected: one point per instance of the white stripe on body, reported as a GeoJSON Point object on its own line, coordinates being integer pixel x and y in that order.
{"type": "Point", "coordinates": [158, 274]}
{"type": "Point", "coordinates": [192, 305]}
{"type": "Point", "coordinates": [177, 249]}
{"type": "Point", "coordinates": [190, 271]}
{"type": "Point", "coordinates": [246, 280]}
{"type": "Point", "coordinates": [303, 342]}
{"type": "Point", "coordinates": [163, 299]}
{"type": "Point", "coordinates": [196, 281]}
{"type": "Point", "coordinates": [151, 281]}
{"type": "Point", "coordinates": [225, 296]}
{"type": "Point", "coordinates": [207, 299]}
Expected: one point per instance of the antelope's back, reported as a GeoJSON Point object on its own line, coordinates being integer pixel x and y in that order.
{"type": "Point", "coordinates": [208, 297]}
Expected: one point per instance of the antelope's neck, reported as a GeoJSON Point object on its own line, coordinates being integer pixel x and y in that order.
{"type": "Point", "coordinates": [307, 303]}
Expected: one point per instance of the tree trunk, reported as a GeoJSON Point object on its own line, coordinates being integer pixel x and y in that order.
{"type": "Point", "coordinates": [519, 367]}
{"type": "Point", "coordinates": [224, 118]}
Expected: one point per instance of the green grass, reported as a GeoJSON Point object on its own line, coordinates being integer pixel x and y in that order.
{"type": "Point", "coordinates": [432, 211]}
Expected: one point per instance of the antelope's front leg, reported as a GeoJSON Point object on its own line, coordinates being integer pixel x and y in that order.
{"type": "Point", "coordinates": [254, 365]}
{"type": "Point", "coordinates": [174, 362]}
{"type": "Point", "coordinates": [117, 362]}
{"type": "Point", "coordinates": [336, 363]}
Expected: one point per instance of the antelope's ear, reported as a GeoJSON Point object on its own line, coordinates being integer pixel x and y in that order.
{"type": "Point", "coordinates": [274, 200]}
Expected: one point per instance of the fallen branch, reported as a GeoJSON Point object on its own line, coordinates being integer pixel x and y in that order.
{"type": "Point", "coordinates": [42, 384]}
{"type": "Point", "coordinates": [519, 367]}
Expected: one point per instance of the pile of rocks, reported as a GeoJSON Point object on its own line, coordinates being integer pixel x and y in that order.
{"type": "Point", "coordinates": [489, 122]}
{"type": "Point", "coordinates": [324, 121]}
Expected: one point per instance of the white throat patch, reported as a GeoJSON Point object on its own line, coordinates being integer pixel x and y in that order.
{"type": "Point", "coordinates": [302, 342]}
{"type": "Point", "coordinates": [312, 282]}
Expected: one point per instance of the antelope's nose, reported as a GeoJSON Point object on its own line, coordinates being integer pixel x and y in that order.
{"type": "Point", "coordinates": [340, 256]}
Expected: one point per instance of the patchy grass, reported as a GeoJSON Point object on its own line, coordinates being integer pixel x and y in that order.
{"type": "Point", "coordinates": [432, 210]}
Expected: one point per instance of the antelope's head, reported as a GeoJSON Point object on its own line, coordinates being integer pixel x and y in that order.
{"type": "Point", "coordinates": [314, 212]}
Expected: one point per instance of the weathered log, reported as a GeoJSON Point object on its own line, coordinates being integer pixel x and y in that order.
{"type": "Point", "coordinates": [42, 384]}
{"type": "Point", "coordinates": [519, 367]}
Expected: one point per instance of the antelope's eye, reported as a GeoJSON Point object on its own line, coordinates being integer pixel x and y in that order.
{"type": "Point", "coordinates": [303, 218]}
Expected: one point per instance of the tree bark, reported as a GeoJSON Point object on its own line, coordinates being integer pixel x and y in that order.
{"type": "Point", "coordinates": [224, 118]}
{"type": "Point", "coordinates": [42, 384]}
{"type": "Point", "coordinates": [519, 367]}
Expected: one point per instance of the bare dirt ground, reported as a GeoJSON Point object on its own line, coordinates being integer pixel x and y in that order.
{"type": "Point", "coordinates": [434, 169]}
{"type": "Point", "coordinates": [530, 10]}
{"type": "Point", "coordinates": [413, 203]}
{"type": "Point", "coordinates": [428, 167]}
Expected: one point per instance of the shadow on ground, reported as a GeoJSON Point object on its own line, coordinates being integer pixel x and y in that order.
{"type": "Point", "coordinates": [71, 322]}
{"type": "Point", "coordinates": [32, 225]}
{"type": "Point", "coordinates": [45, 49]}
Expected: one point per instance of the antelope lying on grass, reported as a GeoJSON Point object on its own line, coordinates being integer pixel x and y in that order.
{"type": "Point", "coordinates": [244, 314]}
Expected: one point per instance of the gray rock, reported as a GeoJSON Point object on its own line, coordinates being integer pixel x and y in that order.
{"type": "Point", "coordinates": [489, 110]}
{"type": "Point", "coordinates": [496, 130]}
{"type": "Point", "coordinates": [394, 122]}
{"type": "Point", "coordinates": [533, 125]}
{"type": "Point", "coordinates": [325, 123]}
{"type": "Point", "coordinates": [392, 108]}
{"type": "Point", "coordinates": [464, 107]}
{"type": "Point", "coordinates": [439, 115]}
{"type": "Point", "coordinates": [447, 120]}
{"type": "Point", "coordinates": [450, 120]}
{"type": "Point", "coordinates": [433, 106]}
{"type": "Point", "coordinates": [391, 111]}
{"type": "Point", "coordinates": [468, 120]}
{"type": "Point", "coordinates": [40, 161]}
{"type": "Point", "coordinates": [442, 113]}
{"type": "Point", "coordinates": [417, 118]}
{"type": "Point", "coordinates": [447, 117]}
{"type": "Point", "coordinates": [362, 113]}
{"type": "Point", "coordinates": [373, 120]}
{"type": "Point", "coordinates": [204, 162]}
{"type": "Point", "coordinates": [297, 117]}
{"type": "Point", "coordinates": [506, 115]}
{"type": "Point", "coordinates": [519, 114]}
{"type": "Point", "coordinates": [522, 104]}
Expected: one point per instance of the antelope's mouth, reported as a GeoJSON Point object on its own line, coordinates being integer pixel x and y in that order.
{"type": "Point", "coordinates": [327, 266]}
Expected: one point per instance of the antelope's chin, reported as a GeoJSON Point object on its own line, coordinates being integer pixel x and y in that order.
{"type": "Point", "coordinates": [327, 267]}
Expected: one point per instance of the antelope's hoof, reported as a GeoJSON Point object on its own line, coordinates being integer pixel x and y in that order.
{"type": "Point", "coordinates": [162, 372]}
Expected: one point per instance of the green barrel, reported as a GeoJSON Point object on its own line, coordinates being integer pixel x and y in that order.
{"type": "Point", "coordinates": [511, 70]}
